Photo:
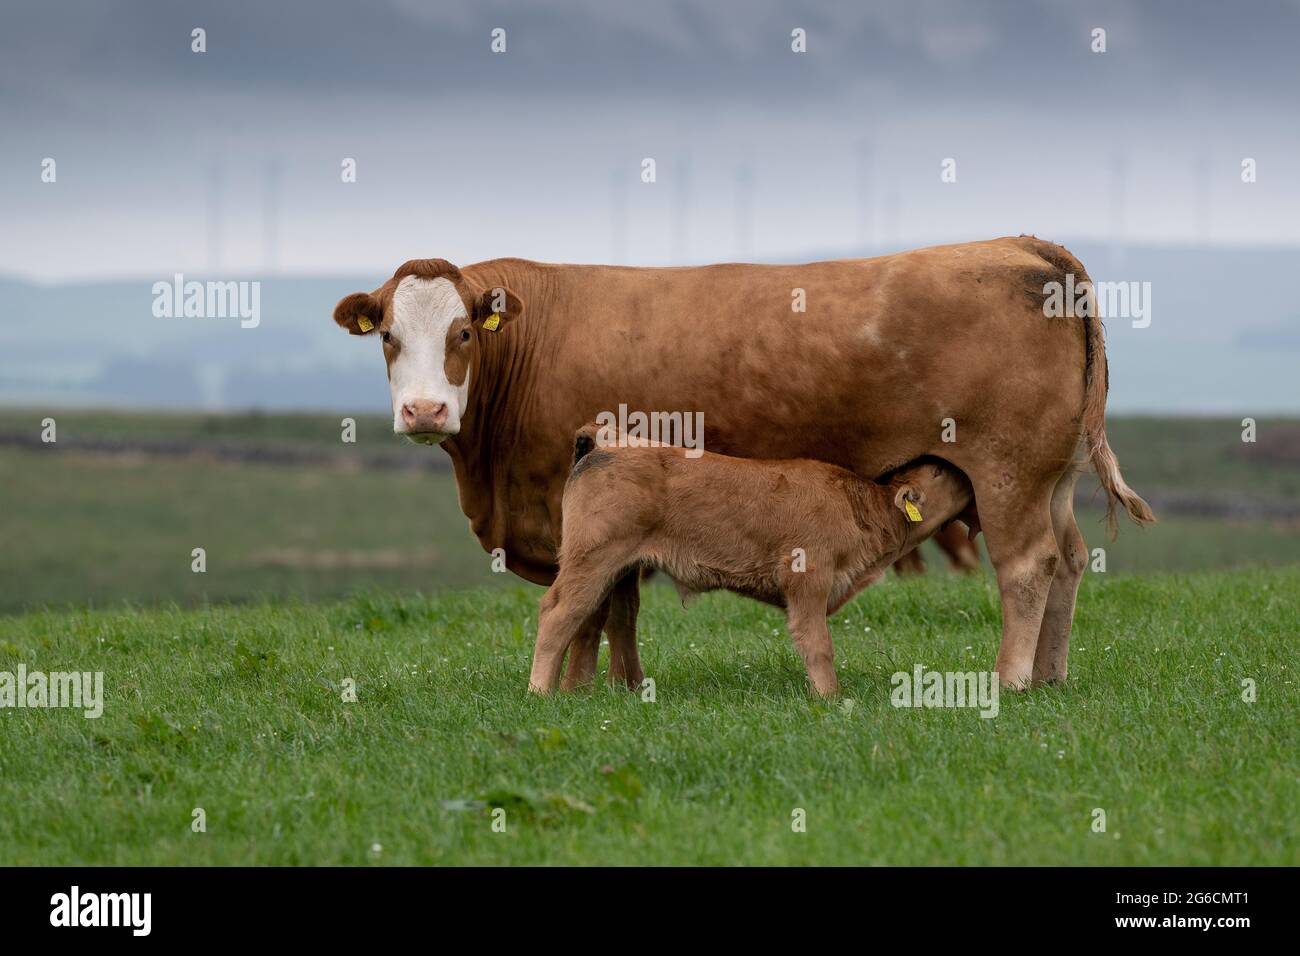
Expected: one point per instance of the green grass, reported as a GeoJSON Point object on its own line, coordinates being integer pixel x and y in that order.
{"type": "Point", "coordinates": [1179, 543]}
{"type": "Point", "coordinates": [237, 710]}
{"type": "Point", "coordinates": [220, 700]}
{"type": "Point", "coordinates": [93, 529]}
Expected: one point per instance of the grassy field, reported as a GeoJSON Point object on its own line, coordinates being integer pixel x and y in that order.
{"type": "Point", "coordinates": [1207, 455]}
{"type": "Point", "coordinates": [238, 710]}
{"type": "Point", "coordinates": [97, 526]}
{"type": "Point", "coordinates": [95, 529]}
{"type": "Point", "coordinates": [249, 428]}
{"type": "Point", "coordinates": [1194, 455]}
{"type": "Point", "coordinates": [328, 561]}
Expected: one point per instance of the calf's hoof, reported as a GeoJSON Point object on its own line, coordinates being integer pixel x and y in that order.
{"type": "Point", "coordinates": [1049, 676]}
{"type": "Point", "coordinates": [827, 689]}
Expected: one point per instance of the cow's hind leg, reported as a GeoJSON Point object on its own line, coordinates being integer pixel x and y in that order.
{"type": "Point", "coordinates": [625, 603]}
{"type": "Point", "coordinates": [1051, 656]}
{"type": "Point", "coordinates": [962, 553]}
{"type": "Point", "coordinates": [1017, 525]}
{"type": "Point", "coordinates": [910, 563]}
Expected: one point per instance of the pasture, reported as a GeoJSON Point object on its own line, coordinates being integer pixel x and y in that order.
{"type": "Point", "coordinates": [331, 566]}
{"type": "Point", "coordinates": [239, 711]}
{"type": "Point", "coordinates": [112, 511]}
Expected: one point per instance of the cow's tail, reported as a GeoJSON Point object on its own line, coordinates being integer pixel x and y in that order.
{"type": "Point", "coordinates": [1094, 427]}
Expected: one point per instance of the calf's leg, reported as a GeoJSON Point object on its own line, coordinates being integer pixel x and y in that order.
{"type": "Point", "coordinates": [572, 602]}
{"type": "Point", "coordinates": [583, 652]}
{"type": "Point", "coordinates": [625, 603]}
{"type": "Point", "coordinates": [806, 619]}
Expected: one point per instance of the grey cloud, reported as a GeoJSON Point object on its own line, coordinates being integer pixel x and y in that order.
{"type": "Point", "coordinates": [1032, 52]}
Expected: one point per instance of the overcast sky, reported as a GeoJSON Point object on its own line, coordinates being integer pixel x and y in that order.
{"type": "Point", "coordinates": [228, 162]}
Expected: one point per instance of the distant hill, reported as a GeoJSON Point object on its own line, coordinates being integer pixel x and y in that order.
{"type": "Point", "coordinates": [1224, 337]}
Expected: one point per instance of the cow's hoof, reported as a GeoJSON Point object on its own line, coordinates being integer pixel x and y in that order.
{"type": "Point", "coordinates": [1016, 682]}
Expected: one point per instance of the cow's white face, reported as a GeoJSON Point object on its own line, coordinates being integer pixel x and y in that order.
{"type": "Point", "coordinates": [427, 346]}
{"type": "Point", "coordinates": [430, 319]}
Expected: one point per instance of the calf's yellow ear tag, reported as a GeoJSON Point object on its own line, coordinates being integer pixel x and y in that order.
{"type": "Point", "coordinates": [913, 513]}
{"type": "Point", "coordinates": [492, 322]}
{"type": "Point", "coordinates": [364, 323]}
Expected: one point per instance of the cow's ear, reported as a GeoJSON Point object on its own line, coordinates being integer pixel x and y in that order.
{"type": "Point", "coordinates": [360, 313]}
{"type": "Point", "coordinates": [500, 302]}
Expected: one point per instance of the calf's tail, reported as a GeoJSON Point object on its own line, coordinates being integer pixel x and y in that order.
{"type": "Point", "coordinates": [584, 441]}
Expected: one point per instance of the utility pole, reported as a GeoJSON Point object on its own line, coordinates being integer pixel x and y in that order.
{"type": "Point", "coordinates": [215, 185]}
{"type": "Point", "coordinates": [680, 211]}
{"type": "Point", "coordinates": [744, 212]}
{"type": "Point", "coordinates": [271, 218]}
{"type": "Point", "coordinates": [862, 205]}
{"type": "Point", "coordinates": [618, 216]}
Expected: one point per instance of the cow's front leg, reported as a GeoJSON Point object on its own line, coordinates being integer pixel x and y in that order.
{"type": "Point", "coordinates": [585, 649]}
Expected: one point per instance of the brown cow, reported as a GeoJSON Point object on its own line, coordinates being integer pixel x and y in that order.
{"type": "Point", "coordinates": [501, 362]}
{"type": "Point", "coordinates": [818, 536]}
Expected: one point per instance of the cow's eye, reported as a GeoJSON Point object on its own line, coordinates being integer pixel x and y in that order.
{"type": "Point", "coordinates": [386, 337]}
{"type": "Point", "coordinates": [464, 335]}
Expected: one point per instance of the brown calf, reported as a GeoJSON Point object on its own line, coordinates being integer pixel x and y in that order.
{"type": "Point", "coordinates": [800, 534]}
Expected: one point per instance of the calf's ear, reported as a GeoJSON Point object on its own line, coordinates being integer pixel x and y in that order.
{"type": "Point", "coordinates": [500, 302]}
{"type": "Point", "coordinates": [360, 313]}
{"type": "Point", "coordinates": [908, 493]}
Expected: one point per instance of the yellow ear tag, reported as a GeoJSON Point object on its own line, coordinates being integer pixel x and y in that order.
{"type": "Point", "coordinates": [364, 323]}
{"type": "Point", "coordinates": [492, 322]}
{"type": "Point", "coordinates": [913, 513]}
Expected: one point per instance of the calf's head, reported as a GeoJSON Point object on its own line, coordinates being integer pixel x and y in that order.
{"type": "Point", "coordinates": [934, 488]}
{"type": "Point", "coordinates": [431, 321]}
